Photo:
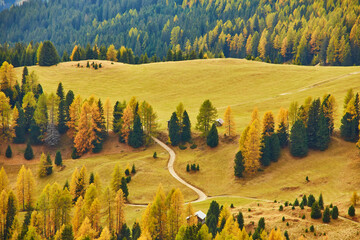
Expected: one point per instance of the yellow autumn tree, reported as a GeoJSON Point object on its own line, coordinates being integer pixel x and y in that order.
{"type": "Point", "coordinates": [111, 53]}
{"type": "Point", "coordinates": [127, 120]}
{"type": "Point", "coordinates": [20, 187]}
{"type": "Point", "coordinates": [108, 204]}
{"type": "Point", "coordinates": [108, 110]}
{"type": "Point", "coordinates": [176, 214]}
{"type": "Point", "coordinates": [85, 230]}
{"type": "Point", "coordinates": [229, 123]}
{"type": "Point", "coordinates": [7, 76]}
{"type": "Point", "coordinates": [3, 210]}
{"type": "Point", "coordinates": [276, 235]}
{"type": "Point", "coordinates": [224, 215]}
{"type": "Point", "coordinates": [4, 181]}
{"type": "Point", "coordinates": [268, 124]}
{"type": "Point", "coordinates": [6, 129]}
{"type": "Point", "coordinates": [252, 144]}
{"type": "Point", "coordinates": [79, 215]}
{"type": "Point", "coordinates": [157, 216]}
{"type": "Point", "coordinates": [119, 211]}
{"type": "Point", "coordinates": [105, 234]}
{"type": "Point", "coordinates": [94, 215]}
{"type": "Point", "coordinates": [74, 113]}
{"type": "Point", "coordinates": [190, 215]}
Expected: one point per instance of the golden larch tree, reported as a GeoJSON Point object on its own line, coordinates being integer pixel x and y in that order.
{"type": "Point", "coordinates": [252, 151]}
{"type": "Point", "coordinates": [3, 210]}
{"type": "Point", "coordinates": [94, 215]}
{"type": "Point", "coordinates": [157, 216]}
{"type": "Point", "coordinates": [20, 187]}
{"type": "Point", "coordinates": [268, 124]}
{"type": "Point", "coordinates": [74, 113]}
{"type": "Point", "coordinates": [229, 123]}
{"type": "Point", "coordinates": [127, 120]}
{"type": "Point", "coordinates": [111, 53]}
{"type": "Point", "coordinates": [119, 211]}
{"type": "Point", "coordinates": [108, 113]}
{"type": "Point", "coordinates": [176, 214]}
{"type": "Point", "coordinates": [4, 181]}
{"type": "Point", "coordinates": [190, 215]}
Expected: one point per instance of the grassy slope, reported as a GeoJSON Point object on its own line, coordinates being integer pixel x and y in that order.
{"type": "Point", "coordinates": [243, 85]}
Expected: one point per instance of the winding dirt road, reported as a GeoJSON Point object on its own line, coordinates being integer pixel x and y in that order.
{"type": "Point", "coordinates": [201, 194]}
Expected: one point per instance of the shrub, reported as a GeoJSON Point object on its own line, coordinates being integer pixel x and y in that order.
{"type": "Point", "coordinates": [287, 224]}
{"type": "Point", "coordinates": [188, 168]}
{"type": "Point", "coordinates": [286, 203]}
{"type": "Point", "coordinates": [127, 172]}
{"type": "Point", "coordinates": [283, 219]}
{"type": "Point", "coordinates": [8, 152]}
{"type": "Point", "coordinates": [351, 211]}
{"type": "Point", "coordinates": [286, 235]}
{"type": "Point", "coordinates": [29, 154]}
{"type": "Point", "coordinates": [155, 155]}
{"type": "Point", "coordinates": [331, 205]}
{"type": "Point", "coordinates": [182, 147]}
{"type": "Point", "coordinates": [307, 178]}
{"type": "Point", "coordinates": [100, 65]}
{"type": "Point", "coordinates": [293, 208]}
{"type": "Point", "coordinates": [312, 229]}
{"type": "Point", "coordinates": [87, 64]}
{"type": "Point", "coordinates": [296, 203]}
{"type": "Point", "coordinates": [335, 212]}
{"type": "Point", "coordinates": [198, 168]}
{"type": "Point", "coordinates": [303, 216]}
{"type": "Point", "coordinates": [281, 208]}
{"type": "Point", "coordinates": [193, 167]}
{"type": "Point", "coordinates": [301, 205]}
{"type": "Point", "coordinates": [193, 146]}
{"type": "Point", "coordinates": [232, 206]}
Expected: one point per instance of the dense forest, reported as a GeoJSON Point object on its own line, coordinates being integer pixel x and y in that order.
{"type": "Point", "coordinates": [301, 32]}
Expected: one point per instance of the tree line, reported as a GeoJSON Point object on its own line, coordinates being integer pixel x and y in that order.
{"type": "Point", "coordinates": [304, 127]}
{"type": "Point", "coordinates": [30, 115]}
{"type": "Point", "coordinates": [305, 32]}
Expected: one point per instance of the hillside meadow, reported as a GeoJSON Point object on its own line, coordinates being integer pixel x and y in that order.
{"type": "Point", "coordinates": [242, 85]}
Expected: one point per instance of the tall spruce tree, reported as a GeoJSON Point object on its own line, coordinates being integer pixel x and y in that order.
{"type": "Point", "coordinates": [48, 54]}
{"type": "Point", "coordinates": [136, 136]}
{"type": "Point", "coordinates": [28, 154]}
{"type": "Point", "coordinates": [186, 128]}
{"type": "Point", "coordinates": [275, 147]}
{"type": "Point", "coordinates": [58, 159]}
{"type": "Point", "coordinates": [323, 133]}
{"type": "Point", "coordinates": [298, 140]}
{"type": "Point", "coordinates": [266, 151]}
{"type": "Point", "coordinates": [212, 139]}
{"type": "Point", "coordinates": [174, 130]}
{"type": "Point", "coordinates": [312, 123]}
{"type": "Point", "coordinates": [239, 165]}
{"type": "Point", "coordinates": [62, 127]}
{"type": "Point", "coordinates": [20, 127]}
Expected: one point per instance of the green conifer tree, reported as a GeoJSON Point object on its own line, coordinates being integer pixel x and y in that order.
{"type": "Point", "coordinates": [312, 123]}
{"type": "Point", "coordinates": [323, 133]}
{"type": "Point", "coordinates": [298, 140]}
{"type": "Point", "coordinates": [335, 212]}
{"type": "Point", "coordinates": [28, 154]}
{"type": "Point", "coordinates": [20, 128]}
{"type": "Point", "coordinates": [48, 54]}
{"type": "Point", "coordinates": [239, 165]}
{"type": "Point", "coordinates": [326, 215]}
{"type": "Point", "coordinates": [186, 129]}
{"type": "Point", "coordinates": [136, 136]}
{"type": "Point", "coordinates": [8, 152]}
{"type": "Point", "coordinates": [315, 211]}
{"type": "Point", "coordinates": [212, 139]}
{"type": "Point", "coordinates": [58, 159]}
{"type": "Point", "coordinates": [174, 130]}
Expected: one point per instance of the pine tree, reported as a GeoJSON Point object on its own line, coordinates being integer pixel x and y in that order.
{"type": "Point", "coordinates": [186, 128]}
{"type": "Point", "coordinates": [239, 165]}
{"type": "Point", "coordinates": [174, 130]}
{"type": "Point", "coordinates": [62, 123]}
{"type": "Point", "coordinates": [265, 151]}
{"type": "Point", "coordinates": [335, 212]}
{"type": "Point", "coordinates": [28, 155]}
{"type": "Point", "coordinates": [240, 220]}
{"type": "Point", "coordinates": [313, 123]}
{"type": "Point", "coordinates": [136, 136]}
{"type": "Point", "coordinates": [206, 117]}
{"type": "Point", "coordinates": [283, 126]}
{"type": "Point", "coordinates": [67, 233]}
{"type": "Point", "coordinates": [135, 231]}
{"type": "Point", "coordinates": [298, 140]}
{"type": "Point", "coordinates": [323, 133]}
{"type": "Point", "coordinates": [98, 120]}
{"type": "Point", "coordinates": [212, 139]}
{"type": "Point", "coordinates": [10, 215]}
{"type": "Point", "coordinates": [20, 127]}
{"type": "Point", "coordinates": [48, 54]}
{"type": "Point", "coordinates": [321, 201]}
{"type": "Point", "coordinates": [8, 152]}
{"type": "Point", "coordinates": [326, 216]}
{"type": "Point", "coordinates": [58, 159]}
{"type": "Point", "coordinates": [117, 116]}
{"type": "Point", "coordinates": [124, 187]}
{"type": "Point", "coordinates": [349, 122]}
{"type": "Point", "coordinates": [48, 165]}
{"type": "Point", "coordinates": [315, 211]}
{"type": "Point", "coordinates": [229, 124]}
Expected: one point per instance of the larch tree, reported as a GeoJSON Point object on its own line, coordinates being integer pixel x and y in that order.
{"type": "Point", "coordinates": [148, 119]}
{"type": "Point", "coordinates": [94, 215]}
{"type": "Point", "coordinates": [4, 181]}
{"type": "Point", "coordinates": [78, 216]}
{"type": "Point", "coordinates": [229, 123]}
{"type": "Point", "coordinates": [252, 151]}
{"type": "Point", "coordinates": [108, 114]}
{"type": "Point", "coordinates": [7, 76]}
{"type": "Point", "coordinates": [20, 187]}
{"type": "Point", "coordinates": [111, 53]}
{"type": "Point", "coordinates": [207, 115]}
{"type": "Point", "coordinates": [268, 124]}
{"type": "Point", "coordinates": [3, 211]}
{"type": "Point", "coordinates": [127, 122]}
{"type": "Point", "coordinates": [10, 215]}
{"type": "Point", "coordinates": [119, 211]}
{"type": "Point", "coordinates": [109, 208]}
{"type": "Point", "coordinates": [116, 179]}
{"type": "Point", "coordinates": [6, 127]}
{"type": "Point", "coordinates": [175, 215]}
{"type": "Point", "coordinates": [329, 109]}
{"type": "Point", "coordinates": [74, 116]}
{"type": "Point", "coordinates": [157, 223]}
{"type": "Point", "coordinates": [293, 112]}
{"type": "Point", "coordinates": [190, 215]}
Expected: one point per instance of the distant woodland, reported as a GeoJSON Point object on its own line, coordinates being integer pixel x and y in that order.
{"type": "Point", "coordinates": [299, 32]}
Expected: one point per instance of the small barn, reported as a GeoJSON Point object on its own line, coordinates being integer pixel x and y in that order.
{"type": "Point", "coordinates": [200, 216]}
{"type": "Point", "coordinates": [219, 122]}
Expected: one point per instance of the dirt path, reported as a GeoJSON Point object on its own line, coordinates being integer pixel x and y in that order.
{"type": "Point", "coordinates": [201, 194]}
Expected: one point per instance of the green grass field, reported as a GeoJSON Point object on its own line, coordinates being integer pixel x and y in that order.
{"type": "Point", "coordinates": [239, 83]}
